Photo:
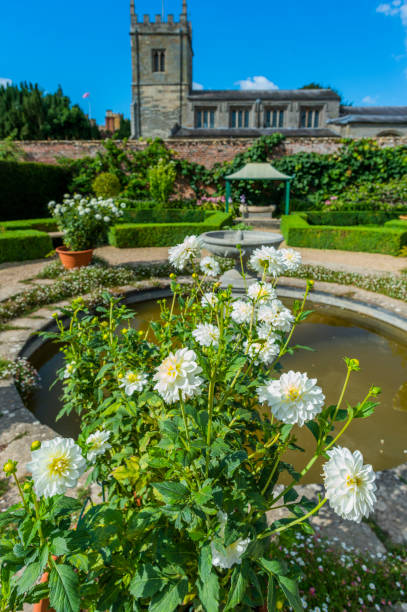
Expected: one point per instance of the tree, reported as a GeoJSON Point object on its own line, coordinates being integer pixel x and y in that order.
{"type": "Point", "coordinates": [124, 131]}
{"type": "Point", "coordinates": [314, 85]}
{"type": "Point", "coordinates": [28, 113]}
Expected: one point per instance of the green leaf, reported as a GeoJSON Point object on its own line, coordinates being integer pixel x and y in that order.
{"type": "Point", "coordinates": [273, 567]}
{"type": "Point", "coordinates": [64, 589]}
{"type": "Point", "coordinates": [290, 590]}
{"type": "Point", "coordinates": [314, 429]}
{"type": "Point", "coordinates": [205, 563]}
{"type": "Point", "coordinates": [171, 492]}
{"type": "Point", "coordinates": [170, 598]}
{"type": "Point", "coordinates": [237, 589]}
{"type": "Point", "coordinates": [146, 582]}
{"type": "Point", "coordinates": [233, 461]}
{"type": "Point", "coordinates": [80, 561]}
{"type": "Point", "coordinates": [209, 593]}
{"type": "Point", "coordinates": [65, 505]}
{"type": "Point", "coordinates": [59, 547]}
{"type": "Point", "coordinates": [271, 595]}
{"type": "Point", "coordinates": [30, 575]}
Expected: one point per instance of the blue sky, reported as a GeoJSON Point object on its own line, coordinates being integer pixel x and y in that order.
{"type": "Point", "coordinates": [357, 46]}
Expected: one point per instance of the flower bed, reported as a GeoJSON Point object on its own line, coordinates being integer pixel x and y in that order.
{"type": "Point", "coordinates": [188, 461]}
{"type": "Point", "coordinates": [21, 245]}
{"type": "Point", "coordinates": [132, 235]}
{"type": "Point", "coordinates": [298, 232]}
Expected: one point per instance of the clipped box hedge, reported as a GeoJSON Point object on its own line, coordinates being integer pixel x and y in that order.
{"type": "Point", "coordinates": [354, 217]}
{"type": "Point", "coordinates": [42, 225]}
{"type": "Point", "coordinates": [27, 187]}
{"type": "Point", "coordinates": [298, 232]}
{"type": "Point", "coordinates": [164, 215]}
{"type": "Point", "coordinates": [130, 235]}
{"type": "Point", "coordinates": [20, 245]}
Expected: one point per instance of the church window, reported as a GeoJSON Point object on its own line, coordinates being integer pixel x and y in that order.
{"type": "Point", "coordinates": [274, 118]}
{"type": "Point", "coordinates": [205, 118]}
{"type": "Point", "coordinates": [239, 118]}
{"type": "Point", "coordinates": [158, 60]}
{"type": "Point", "coordinates": [309, 118]}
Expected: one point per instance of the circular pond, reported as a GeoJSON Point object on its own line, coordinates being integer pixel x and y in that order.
{"type": "Point", "coordinates": [333, 333]}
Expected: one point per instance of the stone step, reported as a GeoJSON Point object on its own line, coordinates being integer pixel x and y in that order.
{"type": "Point", "coordinates": [259, 222]}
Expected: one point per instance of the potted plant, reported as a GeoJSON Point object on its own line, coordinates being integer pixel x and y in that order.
{"type": "Point", "coordinates": [84, 223]}
{"type": "Point", "coordinates": [185, 428]}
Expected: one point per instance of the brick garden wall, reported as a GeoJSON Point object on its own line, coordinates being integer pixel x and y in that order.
{"type": "Point", "coordinates": [206, 152]}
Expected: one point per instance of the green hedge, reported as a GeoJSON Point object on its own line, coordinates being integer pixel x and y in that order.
{"type": "Point", "coordinates": [24, 244]}
{"type": "Point", "coordinates": [42, 225]}
{"type": "Point", "coordinates": [163, 234]}
{"type": "Point", "coordinates": [397, 223]}
{"type": "Point", "coordinates": [297, 232]}
{"type": "Point", "coordinates": [356, 217]}
{"type": "Point", "coordinates": [26, 188]}
{"type": "Point", "coordinates": [164, 215]}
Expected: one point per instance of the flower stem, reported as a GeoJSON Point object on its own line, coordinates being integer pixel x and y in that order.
{"type": "Point", "coordinates": [37, 514]}
{"type": "Point", "coordinates": [210, 416]}
{"type": "Point", "coordinates": [345, 384]}
{"type": "Point", "coordinates": [301, 519]}
{"type": "Point", "coordinates": [184, 416]}
{"type": "Point", "coordinates": [20, 490]}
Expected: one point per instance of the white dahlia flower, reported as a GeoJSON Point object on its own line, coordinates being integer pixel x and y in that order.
{"type": "Point", "coordinates": [349, 484]}
{"type": "Point", "coordinates": [210, 266]}
{"type": "Point", "coordinates": [293, 398]}
{"type": "Point", "coordinates": [182, 254]}
{"type": "Point", "coordinates": [291, 259]}
{"type": "Point", "coordinates": [276, 315]}
{"type": "Point", "coordinates": [56, 466]}
{"type": "Point", "coordinates": [263, 351]}
{"type": "Point", "coordinates": [267, 259]}
{"type": "Point", "coordinates": [206, 334]}
{"type": "Point", "coordinates": [264, 331]}
{"type": "Point", "coordinates": [178, 373]}
{"type": "Point", "coordinates": [133, 381]}
{"type": "Point", "coordinates": [98, 444]}
{"type": "Point", "coordinates": [209, 299]}
{"type": "Point", "coordinates": [242, 311]}
{"type": "Point", "coordinates": [230, 555]}
{"type": "Point", "coordinates": [261, 292]}
{"type": "Point", "coordinates": [69, 369]}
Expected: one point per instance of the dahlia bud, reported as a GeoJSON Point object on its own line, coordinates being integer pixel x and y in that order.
{"type": "Point", "coordinates": [10, 467]}
{"type": "Point", "coordinates": [35, 445]}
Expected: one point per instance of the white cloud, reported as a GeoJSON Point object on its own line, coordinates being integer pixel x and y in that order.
{"type": "Point", "coordinates": [4, 82]}
{"type": "Point", "coordinates": [197, 86]}
{"type": "Point", "coordinates": [256, 82]}
{"type": "Point", "coordinates": [391, 9]}
{"type": "Point", "coordinates": [369, 100]}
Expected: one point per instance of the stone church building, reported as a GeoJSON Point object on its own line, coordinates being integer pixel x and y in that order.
{"type": "Point", "coordinates": [165, 105]}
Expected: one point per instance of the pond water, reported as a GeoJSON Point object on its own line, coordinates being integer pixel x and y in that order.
{"type": "Point", "coordinates": [333, 333]}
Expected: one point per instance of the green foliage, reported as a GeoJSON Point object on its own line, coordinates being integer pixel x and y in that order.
{"type": "Point", "coordinates": [164, 215]}
{"type": "Point", "coordinates": [356, 217]}
{"type": "Point", "coordinates": [27, 187]}
{"type": "Point", "coordinates": [27, 113]}
{"type": "Point", "coordinates": [10, 151]}
{"type": "Point", "coordinates": [21, 245]}
{"type": "Point", "coordinates": [161, 179]}
{"type": "Point", "coordinates": [42, 225]}
{"type": "Point", "coordinates": [388, 196]}
{"type": "Point", "coordinates": [106, 185]}
{"type": "Point", "coordinates": [131, 235]}
{"type": "Point", "coordinates": [297, 232]}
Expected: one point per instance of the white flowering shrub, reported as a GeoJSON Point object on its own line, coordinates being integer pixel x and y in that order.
{"type": "Point", "coordinates": [185, 427]}
{"type": "Point", "coordinates": [85, 221]}
{"type": "Point", "coordinates": [24, 375]}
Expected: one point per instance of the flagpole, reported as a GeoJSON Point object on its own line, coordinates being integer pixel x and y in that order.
{"type": "Point", "coordinates": [162, 10]}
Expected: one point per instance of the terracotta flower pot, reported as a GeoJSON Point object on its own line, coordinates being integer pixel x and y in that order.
{"type": "Point", "coordinates": [74, 259]}
{"type": "Point", "coordinates": [43, 605]}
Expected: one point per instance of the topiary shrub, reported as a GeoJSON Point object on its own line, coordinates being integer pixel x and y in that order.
{"type": "Point", "coordinates": [161, 179]}
{"type": "Point", "coordinates": [106, 185]}
{"type": "Point", "coordinates": [24, 244]}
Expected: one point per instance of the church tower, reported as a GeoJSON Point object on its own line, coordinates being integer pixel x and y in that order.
{"type": "Point", "coordinates": [161, 54]}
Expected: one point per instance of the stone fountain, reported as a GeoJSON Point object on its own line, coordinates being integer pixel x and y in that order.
{"type": "Point", "coordinates": [224, 244]}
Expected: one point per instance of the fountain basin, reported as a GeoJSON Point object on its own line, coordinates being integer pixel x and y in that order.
{"type": "Point", "coordinates": [223, 243]}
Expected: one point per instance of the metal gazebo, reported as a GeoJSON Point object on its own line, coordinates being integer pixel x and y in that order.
{"type": "Point", "coordinates": [258, 172]}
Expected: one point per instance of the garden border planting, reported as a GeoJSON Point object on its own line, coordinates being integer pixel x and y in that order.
{"type": "Point", "coordinates": [132, 235]}
{"type": "Point", "coordinates": [45, 224]}
{"type": "Point", "coordinates": [165, 215]}
{"type": "Point", "coordinates": [21, 245]}
{"type": "Point", "coordinates": [298, 232]}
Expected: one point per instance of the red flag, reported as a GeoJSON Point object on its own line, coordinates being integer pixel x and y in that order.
{"type": "Point", "coordinates": [86, 94]}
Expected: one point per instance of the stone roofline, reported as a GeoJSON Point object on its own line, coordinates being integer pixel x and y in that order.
{"type": "Point", "coordinates": [268, 94]}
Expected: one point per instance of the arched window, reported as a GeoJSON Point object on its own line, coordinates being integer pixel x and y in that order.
{"type": "Point", "coordinates": [158, 56]}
